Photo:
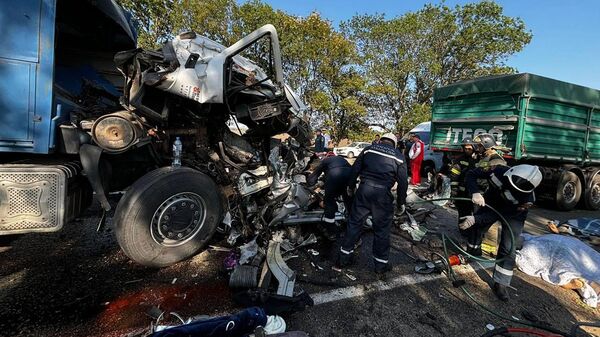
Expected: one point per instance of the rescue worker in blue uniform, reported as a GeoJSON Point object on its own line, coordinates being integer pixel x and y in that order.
{"type": "Point", "coordinates": [511, 193]}
{"type": "Point", "coordinates": [337, 172]}
{"type": "Point", "coordinates": [379, 167]}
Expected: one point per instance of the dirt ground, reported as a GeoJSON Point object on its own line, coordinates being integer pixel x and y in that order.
{"type": "Point", "coordinates": [77, 282]}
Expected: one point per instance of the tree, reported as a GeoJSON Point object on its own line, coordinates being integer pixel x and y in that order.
{"type": "Point", "coordinates": [406, 57]}
{"type": "Point", "coordinates": [154, 20]}
{"type": "Point", "coordinates": [374, 71]}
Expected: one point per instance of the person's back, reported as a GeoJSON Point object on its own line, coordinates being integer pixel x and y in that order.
{"type": "Point", "coordinates": [326, 165]}
{"type": "Point", "coordinates": [379, 164]}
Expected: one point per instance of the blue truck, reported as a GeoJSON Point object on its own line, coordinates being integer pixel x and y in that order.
{"type": "Point", "coordinates": [85, 112]}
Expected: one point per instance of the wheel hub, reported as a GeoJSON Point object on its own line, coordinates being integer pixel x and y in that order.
{"type": "Point", "coordinates": [569, 192]}
{"type": "Point", "coordinates": [178, 219]}
{"type": "Point", "coordinates": [595, 193]}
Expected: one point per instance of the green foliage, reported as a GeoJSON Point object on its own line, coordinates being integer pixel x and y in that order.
{"type": "Point", "coordinates": [406, 57]}
{"type": "Point", "coordinates": [373, 71]}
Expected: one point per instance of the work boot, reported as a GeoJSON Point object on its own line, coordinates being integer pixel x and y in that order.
{"type": "Point", "coordinates": [328, 231]}
{"type": "Point", "coordinates": [329, 236]}
{"type": "Point", "coordinates": [343, 260]}
{"type": "Point", "coordinates": [382, 268]}
{"type": "Point", "coordinates": [501, 291]}
{"type": "Point", "coordinates": [358, 243]}
{"type": "Point", "coordinates": [475, 251]}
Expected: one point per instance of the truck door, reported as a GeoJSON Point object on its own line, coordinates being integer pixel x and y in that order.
{"type": "Point", "coordinates": [25, 74]}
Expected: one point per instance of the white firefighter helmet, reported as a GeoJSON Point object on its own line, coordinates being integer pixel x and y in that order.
{"type": "Point", "coordinates": [524, 178]}
{"type": "Point", "coordinates": [391, 137]}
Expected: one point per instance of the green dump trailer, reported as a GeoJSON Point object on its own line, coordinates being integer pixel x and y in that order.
{"type": "Point", "coordinates": [536, 120]}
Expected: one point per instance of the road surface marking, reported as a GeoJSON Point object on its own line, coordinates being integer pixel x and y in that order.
{"type": "Point", "coordinates": [364, 289]}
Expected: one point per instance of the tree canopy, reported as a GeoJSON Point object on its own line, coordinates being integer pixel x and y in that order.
{"type": "Point", "coordinates": [373, 70]}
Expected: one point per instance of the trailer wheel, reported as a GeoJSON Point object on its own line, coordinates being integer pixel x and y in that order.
{"type": "Point", "coordinates": [592, 195]}
{"type": "Point", "coordinates": [166, 216]}
{"type": "Point", "coordinates": [568, 191]}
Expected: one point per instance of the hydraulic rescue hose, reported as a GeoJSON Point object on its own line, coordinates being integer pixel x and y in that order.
{"type": "Point", "coordinates": [460, 284]}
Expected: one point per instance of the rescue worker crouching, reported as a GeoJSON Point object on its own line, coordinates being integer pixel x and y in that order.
{"type": "Point", "coordinates": [510, 192]}
{"type": "Point", "coordinates": [457, 172]}
{"type": "Point", "coordinates": [379, 167]}
{"type": "Point", "coordinates": [337, 172]}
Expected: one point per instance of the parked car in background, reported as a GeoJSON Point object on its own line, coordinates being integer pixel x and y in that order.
{"type": "Point", "coordinates": [351, 150]}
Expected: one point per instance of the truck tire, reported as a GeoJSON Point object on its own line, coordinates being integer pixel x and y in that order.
{"type": "Point", "coordinates": [167, 215]}
{"type": "Point", "coordinates": [592, 194]}
{"type": "Point", "coordinates": [568, 191]}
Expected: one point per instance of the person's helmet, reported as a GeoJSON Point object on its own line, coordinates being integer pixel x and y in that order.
{"type": "Point", "coordinates": [524, 178]}
{"type": "Point", "coordinates": [391, 137]}
{"type": "Point", "coordinates": [467, 141]}
{"type": "Point", "coordinates": [486, 140]}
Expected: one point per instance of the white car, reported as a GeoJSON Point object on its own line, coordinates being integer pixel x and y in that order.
{"type": "Point", "coordinates": [351, 150]}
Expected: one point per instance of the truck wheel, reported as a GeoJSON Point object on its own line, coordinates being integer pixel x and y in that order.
{"type": "Point", "coordinates": [568, 191]}
{"type": "Point", "coordinates": [350, 155]}
{"type": "Point", "coordinates": [166, 216]}
{"type": "Point", "coordinates": [592, 195]}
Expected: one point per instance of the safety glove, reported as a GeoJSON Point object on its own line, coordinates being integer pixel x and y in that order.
{"type": "Point", "coordinates": [466, 222]}
{"type": "Point", "coordinates": [400, 209]}
{"type": "Point", "coordinates": [478, 199]}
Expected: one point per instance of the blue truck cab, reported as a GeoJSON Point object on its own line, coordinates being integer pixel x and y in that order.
{"type": "Point", "coordinates": [56, 62]}
{"type": "Point", "coordinates": [52, 51]}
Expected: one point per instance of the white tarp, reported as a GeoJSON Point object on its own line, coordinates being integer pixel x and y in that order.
{"type": "Point", "coordinates": [558, 259]}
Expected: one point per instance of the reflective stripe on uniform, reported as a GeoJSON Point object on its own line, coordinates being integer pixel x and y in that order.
{"type": "Point", "coordinates": [510, 197]}
{"type": "Point", "coordinates": [496, 181]}
{"type": "Point", "coordinates": [380, 260]}
{"type": "Point", "coordinates": [328, 220]}
{"type": "Point", "coordinates": [472, 246]}
{"type": "Point", "coordinates": [346, 252]}
{"type": "Point", "coordinates": [384, 155]}
{"type": "Point", "coordinates": [503, 271]}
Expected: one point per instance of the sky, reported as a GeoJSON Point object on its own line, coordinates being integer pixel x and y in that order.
{"type": "Point", "coordinates": [566, 34]}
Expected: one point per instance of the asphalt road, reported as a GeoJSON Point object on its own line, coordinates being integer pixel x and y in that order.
{"type": "Point", "coordinates": [78, 283]}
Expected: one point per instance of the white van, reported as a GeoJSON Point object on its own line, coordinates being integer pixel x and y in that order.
{"type": "Point", "coordinates": [432, 161]}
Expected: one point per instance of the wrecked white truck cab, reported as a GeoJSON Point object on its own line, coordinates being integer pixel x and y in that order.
{"type": "Point", "coordinates": [245, 184]}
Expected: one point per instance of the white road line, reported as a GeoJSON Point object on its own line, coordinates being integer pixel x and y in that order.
{"type": "Point", "coordinates": [364, 289]}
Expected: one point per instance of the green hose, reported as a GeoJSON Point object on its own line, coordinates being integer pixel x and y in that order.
{"type": "Point", "coordinates": [452, 275]}
{"type": "Point", "coordinates": [459, 248]}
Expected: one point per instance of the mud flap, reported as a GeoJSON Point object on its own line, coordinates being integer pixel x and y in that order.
{"type": "Point", "coordinates": [90, 160]}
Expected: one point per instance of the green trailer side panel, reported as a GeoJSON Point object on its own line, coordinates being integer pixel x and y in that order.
{"type": "Point", "coordinates": [593, 145]}
{"type": "Point", "coordinates": [524, 85]}
{"type": "Point", "coordinates": [488, 105]}
{"type": "Point", "coordinates": [467, 116]}
{"type": "Point", "coordinates": [559, 121]}
{"type": "Point", "coordinates": [554, 130]}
